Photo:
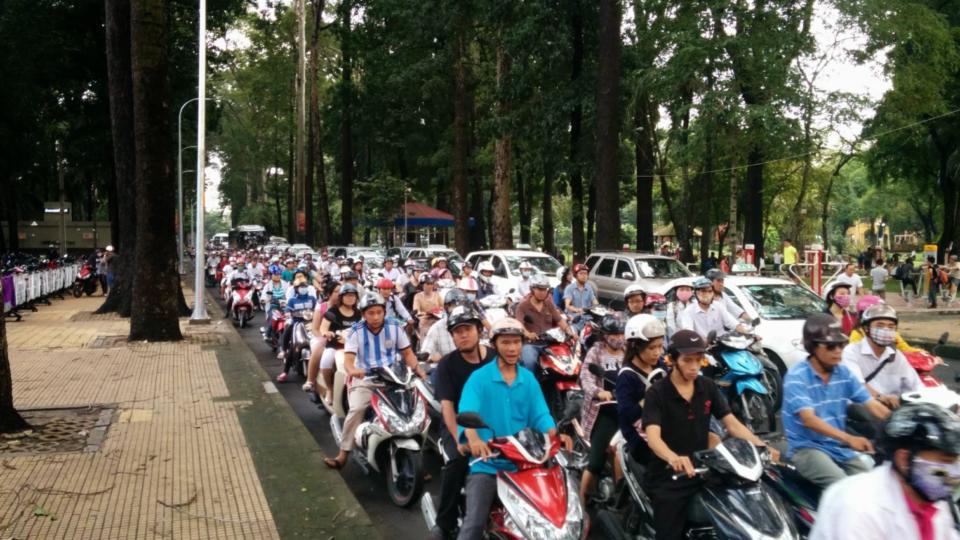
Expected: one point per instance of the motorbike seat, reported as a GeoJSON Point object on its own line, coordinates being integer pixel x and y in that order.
{"type": "Point", "coordinates": [637, 469]}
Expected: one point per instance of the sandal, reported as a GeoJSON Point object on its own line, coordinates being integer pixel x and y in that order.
{"type": "Point", "coordinates": [333, 463]}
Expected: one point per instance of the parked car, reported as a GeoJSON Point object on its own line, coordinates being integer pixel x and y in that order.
{"type": "Point", "coordinates": [400, 253]}
{"type": "Point", "coordinates": [613, 271]}
{"type": "Point", "coordinates": [506, 266]}
{"type": "Point", "coordinates": [781, 305]}
{"type": "Point", "coordinates": [433, 252]}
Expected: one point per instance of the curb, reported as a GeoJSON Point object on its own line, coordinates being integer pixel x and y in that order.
{"type": "Point", "coordinates": [307, 499]}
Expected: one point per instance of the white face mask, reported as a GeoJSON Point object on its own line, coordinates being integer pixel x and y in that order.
{"type": "Point", "coordinates": [301, 290]}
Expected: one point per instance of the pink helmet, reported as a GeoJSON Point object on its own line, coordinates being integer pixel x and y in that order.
{"type": "Point", "coordinates": [870, 300]}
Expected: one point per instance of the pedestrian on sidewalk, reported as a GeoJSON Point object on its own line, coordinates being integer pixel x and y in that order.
{"type": "Point", "coordinates": [954, 268]}
{"type": "Point", "coordinates": [879, 276]}
{"type": "Point", "coordinates": [931, 273]}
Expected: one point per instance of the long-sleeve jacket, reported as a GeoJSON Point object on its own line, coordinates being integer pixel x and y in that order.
{"type": "Point", "coordinates": [592, 385]}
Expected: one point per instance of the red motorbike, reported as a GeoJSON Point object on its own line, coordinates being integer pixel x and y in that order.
{"type": "Point", "coordinates": [538, 500]}
{"type": "Point", "coordinates": [277, 323]}
{"type": "Point", "coordinates": [559, 372]}
{"type": "Point", "coordinates": [924, 362]}
{"type": "Point", "coordinates": [86, 281]}
{"type": "Point", "coordinates": [241, 302]}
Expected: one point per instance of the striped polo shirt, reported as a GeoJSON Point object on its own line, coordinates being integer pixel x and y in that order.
{"type": "Point", "coordinates": [376, 349]}
{"type": "Point", "coordinates": [804, 389]}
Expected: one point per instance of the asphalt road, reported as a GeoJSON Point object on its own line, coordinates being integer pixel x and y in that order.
{"type": "Point", "coordinates": [393, 522]}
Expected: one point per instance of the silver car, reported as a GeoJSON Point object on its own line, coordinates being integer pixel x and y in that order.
{"type": "Point", "coordinates": [613, 271]}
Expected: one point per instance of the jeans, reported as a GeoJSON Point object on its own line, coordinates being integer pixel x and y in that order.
{"type": "Point", "coordinates": [481, 491]}
{"type": "Point", "coordinates": [530, 356]}
{"type": "Point", "coordinates": [818, 467]}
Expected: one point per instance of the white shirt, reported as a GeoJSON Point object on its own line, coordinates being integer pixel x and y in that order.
{"type": "Point", "coordinates": [523, 286]}
{"type": "Point", "coordinates": [438, 340]}
{"type": "Point", "coordinates": [392, 274]}
{"type": "Point", "coordinates": [715, 317]}
{"type": "Point", "coordinates": [895, 378]}
{"type": "Point", "coordinates": [872, 506]}
{"type": "Point", "coordinates": [855, 284]}
{"type": "Point", "coordinates": [376, 350]}
{"type": "Point", "coordinates": [731, 306]}
{"type": "Point", "coordinates": [879, 275]}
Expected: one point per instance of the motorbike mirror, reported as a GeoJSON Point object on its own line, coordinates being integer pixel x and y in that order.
{"type": "Point", "coordinates": [943, 338]}
{"type": "Point", "coordinates": [595, 370]}
{"type": "Point", "coordinates": [470, 420]}
{"type": "Point", "coordinates": [712, 336]}
{"type": "Point", "coordinates": [755, 322]}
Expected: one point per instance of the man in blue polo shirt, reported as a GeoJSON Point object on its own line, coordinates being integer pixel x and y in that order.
{"type": "Point", "coordinates": [816, 394]}
{"type": "Point", "coordinates": [509, 400]}
{"type": "Point", "coordinates": [578, 296]}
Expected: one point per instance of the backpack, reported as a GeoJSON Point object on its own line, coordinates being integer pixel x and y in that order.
{"type": "Point", "coordinates": [901, 272]}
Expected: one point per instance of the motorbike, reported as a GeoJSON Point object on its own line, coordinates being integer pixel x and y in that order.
{"type": "Point", "coordinates": [495, 307]}
{"type": "Point", "coordinates": [576, 459]}
{"type": "Point", "coordinates": [588, 336]}
{"type": "Point", "coordinates": [752, 384]}
{"type": "Point", "coordinates": [536, 501]}
{"type": "Point", "coordinates": [241, 302]}
{"type": "Point", "coordinates": [733, 503]}
{"type": "Point", "coordinates": [390, 439]}
{"type": "Point", "coordinates": [277, 322]}
{"type": "Point", "coordinates": [925, 362]}
{"type": "Point", "coordinates": [340, 405]}
{"type": "Point", "coordinates": [86, 281]}
{"type": "Point", "coordinates": [559, 372]}
{"type": "Point", "coordinates": [298, 355]}
{"type": "Point", "coordinates": [210, 276]}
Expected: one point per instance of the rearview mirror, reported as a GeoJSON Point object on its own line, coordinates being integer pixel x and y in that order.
{"type": "Point", "coordinates": [755, 322]}
{"type": "Point", "coordinates": [943, 338]}
{"type": "Point", "coordinates": [470, 420]}
{"type": "Point", "coordinates": [627, 276]}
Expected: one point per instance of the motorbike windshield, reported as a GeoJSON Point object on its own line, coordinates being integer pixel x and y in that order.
{"type": "Point", "coordinates": [750, 511]}
{"type": "Point", "coordinates": [533, 442]}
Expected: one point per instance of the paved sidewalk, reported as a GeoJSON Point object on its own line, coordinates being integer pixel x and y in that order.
{"type": "Point", "coordinates": [186, 455]}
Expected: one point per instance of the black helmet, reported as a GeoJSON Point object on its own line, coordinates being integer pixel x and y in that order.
{"type": "Point", "coordinates": [612, 324]}
{"type": "Point", "coordinates": [714, 273]}
{"type": "Point", "coordinates": [822, 328]}
{"type": "Point", "coordinates": [463, 315]}
{"type": "Point", "coordinates": [922, 426]}
{"type": "Point", "coordinates": [454, 296]}
{"type": "Point", "coordinates": [350, 274]}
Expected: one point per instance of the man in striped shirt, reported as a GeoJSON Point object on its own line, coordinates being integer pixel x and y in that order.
{"type": "Point", "coordinates": [816, 394]}
{"type": "Point", "coordinates": [374, 342]}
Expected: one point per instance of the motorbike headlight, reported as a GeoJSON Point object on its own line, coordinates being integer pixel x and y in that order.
{"type": "Point", "coordinates": [419, 413]}
{"type": "Point", "coordinates": [534, 526]}
{"type": "Point", "coordinates": [401, 426]}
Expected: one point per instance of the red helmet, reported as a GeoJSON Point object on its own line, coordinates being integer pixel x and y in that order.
{"type": "Point", "coordinates": [384, 283]}
{"type": "Point", "coordinates": [655, 298]}
{"type": "Point", "coordinates": [578, 267]}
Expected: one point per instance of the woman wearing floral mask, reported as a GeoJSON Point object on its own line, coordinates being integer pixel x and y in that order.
{"type": "Point", "coordinates": [683, 293]}
{"type": "Point", "coordinates": [599, 412]}
{"type": "Point", "coordinates": [838, 304]}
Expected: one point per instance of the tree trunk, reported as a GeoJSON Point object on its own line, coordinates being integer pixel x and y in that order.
{"type": "Point", "coordinates": [591, 215]}
{"type": "Point", "coordinates": [461, 217]}
{"type": "Point", "coordinates": [10, 419]}
{"type": "Point", "coordinates": [314, 146]}
{"type": "Point", "coordinates": [753, 222]}
{"type": "Point", "coordinates": [156, 281]}
{"type": "Point", "coordinates": [346, 129]}
{"type": "Point", "coordinates": [644, 123]}
{"type": "Point", "coordinates": [11, 199]}
{"type": "Point", "coordinates": [291, 186]}
{"type": "Point", "coordinates": [522, 204]}
{"type": "Point", "coordinates": [608, 127]}
{"type": "Point", "coordinates": [502, 227]}
{"type": "Point", "coordinates": [576, 121]}
{"type": "Point", "coordinates": [549, 244]}
{"type": "Point", "coordinates": [825, 202]}
{"type": "Point", "coordinates": [120, 84]}
{"type": "Point", "coordinates": [478, 238]}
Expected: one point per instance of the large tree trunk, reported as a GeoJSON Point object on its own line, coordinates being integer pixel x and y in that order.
{"type": "Point", "coordinates": [608, 127]}
{"type": "Point", "coordinates": [549, 244]}
{"type": "Point", "coordinates": [502, 227]}
{"type": "Point", "coordinates": [11, 199]}
{"type": "Point", "coordinates": [156, 282]}
{"type": "Point", "coordinates": [644, 123]}
{"type": "Point", "coordinates": [523, 206]}
{"type": "Point", "coordinates": [120, 84]}
{"type": "Point", "coordinates": [316, 134]}
{"type": "Point", "coordinates": [10, 419]}
{"type": "Point", "coordinates": [346, 129]}
{"type": "Point", "coordinates": [576, 121]}
{"type": "Point", "coordinates": [461, 223]}
{"type": "Point", "coordinates": [948, 178]}
{"type": "Point", "coordinates": [753, 214]}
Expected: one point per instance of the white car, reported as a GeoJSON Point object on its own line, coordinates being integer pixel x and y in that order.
{"type": "Point", "coordinates": [506, 266]}
{"type": "Point", "coordinates": [781, 305]}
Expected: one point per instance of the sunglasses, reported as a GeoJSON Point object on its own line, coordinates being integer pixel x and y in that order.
{"type": "Point", "coordinates": [833, 346]}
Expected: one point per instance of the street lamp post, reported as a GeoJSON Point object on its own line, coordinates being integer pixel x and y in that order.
{"type": "Point", "coordinates": [406, 193]}
{"type": "Point", "coordinates": [199, 315]}
{"type": "Point", "coordinates": [180, 150]}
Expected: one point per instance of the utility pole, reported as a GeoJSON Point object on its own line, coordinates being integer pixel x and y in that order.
{"type": "Point", "coordinates": [199, 315]}
{"type": "Point", "coordinates": [63, 223]}
{"type": "Point", "coordinates": [299, 168]}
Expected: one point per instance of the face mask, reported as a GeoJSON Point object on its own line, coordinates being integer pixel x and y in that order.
{"type": "Point", "coordinates": [525, 273]}
{"type": "Point", "coordinates": [883, 336]}
{"type": "Point", "coordinates": [301, 290]}
{"type": "Point", "coordinates": [684, 296]}
{"type": "Point", "coordinates": [662, 315]}
{"type": "Point", "coordinates": [616, 343]}
{"type": "Point", "coordinates": [842, 301]}
{"type": "Point", "coordinates": [471, 297]}
{"type": "Point", "coordinates": [934, 481]}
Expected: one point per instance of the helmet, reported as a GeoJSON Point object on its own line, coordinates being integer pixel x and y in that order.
{"type": "Point", "coordinates": [485, 266]}
{"type": "Point", "coordinates": [702, 283]}
{"type": "Point", "coordinates": [428, 279]}
{"type": "Point", "coordinates": [467, 284]}
{"type": "Point", "coordinates": [109, 248]}
{"type": "Point", "coordinates": [577, 268]}
{"type": "Point", "coordinates": [654, 299]}
{"type": "Point", "coordinates": [866, 301]}
{"type": "Point", "coordinates": [612, 324]}
{"type": "Point", "coordinates": [384, 283]}
{"type": "Point", "coordinates": [409, 264]}
{"type": "Point", "coordinates": [822, 328]}
{"type": "Point", "coordinates": [922, 426]}
{"type": "Point", "coordinates": [524, 265]}
{"type": "Point", "coordinates": [634, 290]}
{"type": "Point", "coordinates": [507, 326]}
{"type": "Point", "coordinates": [644, 327]}
{"type": "Point", "coordinates": [714, 273]}
{"type": "Point", "coordinates": [467, 264]}
{"type": "Point", "coordinates": [832, 290]}
{"type": "Point", "coordinates": [349, 274]}
{"type": "Point", "coordinates": [348, 288]}
{"type": "Point", "coordinates": [275, 272]}
{"type": "Point", "coordinates": [877, 312]}
{"type": "Point", "coordinates": [463, 315]}
{"type": "Point", "coordinates": [454, 296]}
{"type": "Point", "coordinates": [370, 300]}
{"type": "Point", "coordinates": [539, 281]}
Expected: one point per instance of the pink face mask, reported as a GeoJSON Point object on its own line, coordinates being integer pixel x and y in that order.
{"type": "Point", "coordinates": [842, 301]}
{"type": "Point", "coordinates": [684, 296]}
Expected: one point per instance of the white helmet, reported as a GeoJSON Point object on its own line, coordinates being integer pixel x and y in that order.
{"type": "Point", "coordinates": [633, 290]}
{"type": "Point", "coordinates": [644, 327]}
{"type": "Point", "coordinates": [109, 248]}
{"type": "Point", "coordinates": [525, 266]}
{"type": "Point", "coordinates": [485, 266]}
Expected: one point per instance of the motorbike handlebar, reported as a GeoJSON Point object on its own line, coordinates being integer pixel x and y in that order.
{"type": "Point", "coordinates": [696, 471]}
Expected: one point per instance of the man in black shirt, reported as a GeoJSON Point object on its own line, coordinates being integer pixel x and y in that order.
{"type": "Point", "coordinates": [676, 419]}
{"type": "Point", "coordinates": [453, 371]}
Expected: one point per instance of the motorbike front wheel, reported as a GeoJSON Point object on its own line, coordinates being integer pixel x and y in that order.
{"type": "Point", "coordinates": [755, 411]}
{"type": "Point", "coordinates": [405, 477]}
{"type": "Point", "coordinates": [243, 319]}
{"type": "Point", "coordinates": [77, 290]}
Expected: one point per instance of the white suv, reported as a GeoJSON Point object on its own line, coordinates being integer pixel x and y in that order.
{"type": "Point", "coordinates": [506, 266]}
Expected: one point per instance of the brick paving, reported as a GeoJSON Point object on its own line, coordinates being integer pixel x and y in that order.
{"type": "Point", "coordinates": [174, 463]}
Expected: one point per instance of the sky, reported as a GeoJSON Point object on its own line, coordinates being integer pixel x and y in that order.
{"type": "Point", "coordinates": [839, 73]}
